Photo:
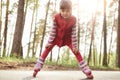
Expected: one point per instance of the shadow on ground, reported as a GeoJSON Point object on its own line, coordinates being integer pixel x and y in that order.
{"type": "Point", "coordinates": [32, 78]}
{"type": "Point", "coordinates": [28, 78]}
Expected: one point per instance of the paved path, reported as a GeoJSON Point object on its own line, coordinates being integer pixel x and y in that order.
{"type": "Point", "coordinates": [57, 75]}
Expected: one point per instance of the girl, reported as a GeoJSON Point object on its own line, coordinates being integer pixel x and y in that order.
{"type": "Point", "coordinates": [63, 33]}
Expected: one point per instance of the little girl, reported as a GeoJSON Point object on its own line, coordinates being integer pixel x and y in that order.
{"type": "Point", "coordinates": [63, 33]}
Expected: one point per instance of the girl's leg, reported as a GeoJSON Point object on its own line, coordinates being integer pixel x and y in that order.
{"type": "Point", "coordinates": [82, 64]}
{"type": "Point", "coordinates": [46, 52]}
{"type": "Point", "coordinates": [40, 61]}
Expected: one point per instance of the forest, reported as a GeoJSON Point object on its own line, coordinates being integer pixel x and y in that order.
{"type": "Point", "coordinates": [25, 27]}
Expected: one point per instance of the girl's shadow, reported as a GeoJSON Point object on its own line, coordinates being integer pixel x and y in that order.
{"type": "Point", "coordinates": [28, 78]}
{"type": "Point", "coordinates": [86, 79]}
{"type": "Point", "coordinates": [31, 78]}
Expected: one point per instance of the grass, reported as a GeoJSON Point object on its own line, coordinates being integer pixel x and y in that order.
{"type": "Point", "coordinates": [105, 68]}
{"type": "Point", "coordinates": [68, 63]}
{"type": "Point", "coordinates": [14, 59]}
{"type": "Point", "coordinates": [72, 62]}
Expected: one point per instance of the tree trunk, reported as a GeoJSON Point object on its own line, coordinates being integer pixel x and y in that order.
{"type": "Point", "coordinates": [118, 38]}
{"type": "Point", "coordinates": [100, 56]}
{"type": "Point", "coordinates": [47, 9]}
{"type": "Point", "coordinates": [26, 7]}
{"type": "Point", "coordinates": [31, 28]}
{"type": "Point", "coordinates": [0, 19]}
{"type": "Point", "coordinates": [5, 29]}
{"type": "Point", "coordinates": [78, 27]}
{"type": "Point", "coordinates": [85, 42]}
{"type": "Point", "coordinates": [58, 57]}
{"type": "Point", "coordinates": [17, 46]}
{"type": "Point", "coordinates": [0, 25]}
{"type": "Point", "coordinates": [92, 39]}
{"type": "Point", "coordinates": [105, 37]}
{"type": "Point", "coordinates": [111, 39]}
{"type": "Point", "coordinates": [94, 15]}
{"type": "Point", "coordinates": [94, 55]}
{"type": "Point", "coordinates": [54, 11]}
{"type": "Point", "coordinates": [51, 56]}
{"type": "Point", "coordinates": [90, 53]}
{"type": "Point", "coordinates": [34, 39]}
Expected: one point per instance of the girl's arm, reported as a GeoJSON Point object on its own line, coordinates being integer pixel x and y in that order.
{"type": "Point", "coordinates": [74, 37]}
{"type": "Point", "coordinates": [52, 33]}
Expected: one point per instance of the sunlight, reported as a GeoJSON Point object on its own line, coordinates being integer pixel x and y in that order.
{"type": "Point", "coordinates": [88, 5]}
{"type": "Point", "coordinates": [87, 9]}
{"type": "Point", "coordinates": [91, 6]}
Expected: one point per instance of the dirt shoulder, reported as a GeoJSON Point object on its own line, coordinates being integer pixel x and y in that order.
{"type": "Point", "coordinates": [30, 66]}
{"type": "Point", "coordinates": [46, 67]}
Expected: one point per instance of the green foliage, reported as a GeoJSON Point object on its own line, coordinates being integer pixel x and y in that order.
{"type": "Point", "coordinates": [14, 59]}
{"type": "Point", "coordinates": [72, 62]}
{"type": "Point", "coordinates": [69, 62]}
{"type": "Point", "coordinates": [105, 68]}
{"type": "Point", "coordinates": [112, 61]}
{"type": "Point", "coordinates": [33, 59]}
{"type": "Point", "coordinates": [53, 62]}
{"type": "Point", "coordinates": [10, 59]}
{"type": "Point", "coordinates": [65, 61]}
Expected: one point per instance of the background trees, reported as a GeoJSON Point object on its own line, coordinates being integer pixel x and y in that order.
{"type": "Point", "coordinates": [118, 37]}
{"type": "Point", "coordinates": [25, 26]}
{"type": "Point", "coordinates": [17, 38]}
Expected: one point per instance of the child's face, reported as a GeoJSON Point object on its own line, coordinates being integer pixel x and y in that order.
{"type": "Point", "coordinates": [65, 13]}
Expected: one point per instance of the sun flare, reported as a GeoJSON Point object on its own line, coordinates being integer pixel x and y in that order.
{"type": "Point", "coordinates": [91, 5]}
{"type": "Point", "coordinates": [87, 5]}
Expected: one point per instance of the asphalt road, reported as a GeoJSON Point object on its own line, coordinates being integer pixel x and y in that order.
{"type": "Point", "coordinates": [57, 75]}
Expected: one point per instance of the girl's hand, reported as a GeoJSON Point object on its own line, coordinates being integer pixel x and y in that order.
{"type": "Point", "coordinates": [48, 46]}
{"type": "Point", "coordinates": [75, 50]}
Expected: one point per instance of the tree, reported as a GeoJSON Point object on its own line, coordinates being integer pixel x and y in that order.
{"type": "Point", "coordinates": [58, 56]}
{"type": "Point", "coordinates": [31, 28]}
{"type": "Point", "coordinates": [53, 12]}
{"type": "Point", "coordinates": [105, 37]}
{"type": "Point", "coordinates": [47, 9]}
{"type": "Point", "coordinates": [0, 24]}
{"type": "Point", "coordinates": [0, 17]}
{"type": "Point", "coordinates": [5, 29]}
{"type": "Point", "coordinates": [17, 44]}
{"type": "Point", "coordinates": [118, 38]}
{"type": "Point", "coordinates": [92, 40]}
{"type": "Point", "coordinates": [78, 26]}
{"type": "Point", "coordinates": [111, 39]}
{"type": "Point", "coordinates": [100, 56]}
{"type": "Point", "coordinates": [114, 22]}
